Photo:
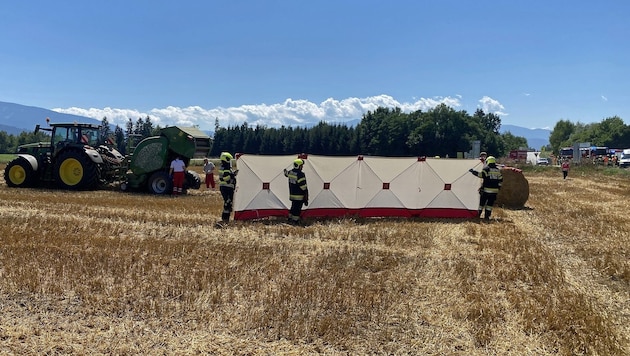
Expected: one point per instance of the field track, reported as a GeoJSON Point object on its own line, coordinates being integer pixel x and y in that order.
{"type": "Point", "coordinates": [108, 272]}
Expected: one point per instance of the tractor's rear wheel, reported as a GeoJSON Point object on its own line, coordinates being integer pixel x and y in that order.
{"type": "Point", "coordinates": [160, 183]}
{"type": "Point", "coordinates": [74, 170]}
{"type": "Point", "coordinates": [19, 173]}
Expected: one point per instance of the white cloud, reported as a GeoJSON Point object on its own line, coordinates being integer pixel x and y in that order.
{"type": "Point", "coordinates": [291, 112]}
{"type": "Point", "coordinates": [489, 105]}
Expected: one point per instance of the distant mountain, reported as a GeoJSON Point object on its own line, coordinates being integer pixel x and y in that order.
{"type": "Point", "coordinates": [536, 138]}
{"type": "Point", "coordinates": [15, 118]}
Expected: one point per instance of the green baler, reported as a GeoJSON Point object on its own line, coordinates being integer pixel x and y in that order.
{"type": "Point", "coordinates": [150, 160]}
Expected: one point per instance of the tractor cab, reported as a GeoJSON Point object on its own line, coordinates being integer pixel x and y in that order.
{"type": "Point", "coordinates": [64, 135]}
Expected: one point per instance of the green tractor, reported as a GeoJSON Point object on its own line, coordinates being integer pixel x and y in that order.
{"type": "Point", "coordinates": [76, 158]}
{"type": "Point", "coordinates": [150, 160]}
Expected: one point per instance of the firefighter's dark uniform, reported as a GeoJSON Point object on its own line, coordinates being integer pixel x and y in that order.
{"type": "Point", "coordinates": [492, 181]}
{"type": "Point", "coordinates": [298, 192]}
{"type": "Point", "coordinates": [227, 182]}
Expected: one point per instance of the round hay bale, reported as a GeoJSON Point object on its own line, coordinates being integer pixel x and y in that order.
{"type": "Point", "coordinates": [515, 189]}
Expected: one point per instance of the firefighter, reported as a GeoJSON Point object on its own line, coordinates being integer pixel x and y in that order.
{"type": "Point", "coordinates": [227, 182]}
{"type": "Point", "coordinates": [298, 190]}
{"type": "Point", "coordinates": [492, 181]}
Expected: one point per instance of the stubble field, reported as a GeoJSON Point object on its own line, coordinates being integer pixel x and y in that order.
{"type": "Point", "coordinates": [107, 272]}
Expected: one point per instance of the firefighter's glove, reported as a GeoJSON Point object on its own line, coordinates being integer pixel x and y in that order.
{"type": "Point", "coordinates": [306, 203]}
{"type": "Point", "coordinates": [471, 170]}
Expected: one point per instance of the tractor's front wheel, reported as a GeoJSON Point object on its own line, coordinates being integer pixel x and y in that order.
{"type": "Point", "coordinates": [160, 183]}
{"type": "Point", "coordinates": [19, 173]}
{"type": "Point", "coordinates": [74, 170]}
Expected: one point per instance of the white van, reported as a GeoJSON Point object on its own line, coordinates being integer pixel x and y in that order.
{"type": "Point", "coordinates": [624, 160]}
{"type": "Point", "coordinates": [532, 157]}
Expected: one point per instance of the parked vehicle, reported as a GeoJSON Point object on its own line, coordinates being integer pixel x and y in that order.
{"type": "Point", "coordinates": [566, 152]}
{"type": "Point", "coordinates": [624, 160]}
{"type": "Point", "coordinates": [519, 155]}
{"type": "Point", "coordinates": [541, 161]}
{"type": "Point", "coordinates": [76, 157]}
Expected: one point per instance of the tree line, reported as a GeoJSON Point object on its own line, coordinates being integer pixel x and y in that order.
{"type": "Point", "coordinates": [610, 132]}
{"type": "Point", "coordinates": [10, 142]}
{"type": "Point", "coordinates": [441, 131]}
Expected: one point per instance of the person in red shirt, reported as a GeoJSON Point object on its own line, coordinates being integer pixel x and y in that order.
{"type": "Point", "coordinates": [565, 169]}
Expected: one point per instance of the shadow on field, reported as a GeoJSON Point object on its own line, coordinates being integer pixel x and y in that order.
{"type": "Point", "coordinates": [516, 208]}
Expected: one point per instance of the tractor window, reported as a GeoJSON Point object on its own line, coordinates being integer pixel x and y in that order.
{"type": "Point", "coordinates": [66, 135]}
{"type": "Point", "coordinates": [61, 135]}
{"type": "Point", "coordinates": [58, 137]}
{"type": "Point", "coordinates": [89, 136]}
{"type": "Point", "coordinates": [73, 134]}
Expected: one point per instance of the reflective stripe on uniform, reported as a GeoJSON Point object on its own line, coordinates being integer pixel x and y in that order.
{"type": "Point", "coordinates": [492, 180]}
{"type": "Point", "coordinates": [225, 178]}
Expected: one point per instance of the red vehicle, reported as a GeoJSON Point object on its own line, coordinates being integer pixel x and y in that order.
{"type": "Point", "coordinates": [518, 155]}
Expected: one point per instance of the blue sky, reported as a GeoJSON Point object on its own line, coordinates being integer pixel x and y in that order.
{"type": "Point", "coordinates": [296, 62]}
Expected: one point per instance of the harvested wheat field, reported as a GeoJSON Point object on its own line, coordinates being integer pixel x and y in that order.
{"type": "Point", "coordinates": [108, 272]}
